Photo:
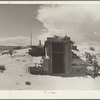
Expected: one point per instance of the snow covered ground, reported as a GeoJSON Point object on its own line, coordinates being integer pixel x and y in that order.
{"type": "Point", "coordinates": [16, 74]}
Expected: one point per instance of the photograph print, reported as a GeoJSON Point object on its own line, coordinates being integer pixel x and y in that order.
{"type": "Point", "coordinates": [49, 46]}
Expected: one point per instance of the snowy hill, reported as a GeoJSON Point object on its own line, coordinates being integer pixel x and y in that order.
{"type": "Point", "coordinates": [16, 75]}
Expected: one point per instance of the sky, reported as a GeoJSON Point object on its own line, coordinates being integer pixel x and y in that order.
{"type": "Point", "coordinates": [81, 22]}
{"type": "Point", "coordinates": [17, 22]}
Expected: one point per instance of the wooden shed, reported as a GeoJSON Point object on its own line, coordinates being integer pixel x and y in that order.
{"type": "Point", "coordinates": [58, 55]}
{"type": "Point", "coordinates": [59, 58]}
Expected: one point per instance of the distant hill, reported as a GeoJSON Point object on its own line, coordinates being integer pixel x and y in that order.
{"type": "Point", "coordinates": [3, 48]}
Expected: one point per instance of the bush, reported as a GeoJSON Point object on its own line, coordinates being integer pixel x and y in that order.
{"type": "Point", "coordinates": [2, 67]}
{"type": "Point", "coordinates": [18, 48]}
{"type": "Point", "coordinates": [28, 83]}
{"type": "Point", "coordinates": [92, 48]}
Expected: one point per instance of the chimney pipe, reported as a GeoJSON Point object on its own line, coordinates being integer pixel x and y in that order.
{"type": "Point", "coordinates": [39, 42]}
{"type": "Point", "coordinates": [31, 39]}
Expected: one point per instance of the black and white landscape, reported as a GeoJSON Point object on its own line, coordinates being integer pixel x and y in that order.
{"type": "Point", "coordinates": [80, 22]}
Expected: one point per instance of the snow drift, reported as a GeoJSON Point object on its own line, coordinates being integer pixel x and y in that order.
{"type": "Point", "coordinates": [16, 76]}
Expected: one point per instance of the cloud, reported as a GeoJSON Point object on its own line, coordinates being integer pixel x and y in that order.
{"type": "Point", "coordinates": [80, 22]}
{"type": "Point", "coordinates": [16, 41]}
{"type": "Point", "coordinates": [96, 33]}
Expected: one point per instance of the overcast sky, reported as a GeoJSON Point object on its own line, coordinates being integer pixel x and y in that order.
{"type": "Point", "coordinates": [80, 22]}
{"type": "Point", "coordinates": [19, 20]}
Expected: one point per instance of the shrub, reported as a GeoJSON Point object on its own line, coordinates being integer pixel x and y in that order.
{"type": "Point", "coordinates": [28, 83]}
{"type": "Point", "coordinates": [17, 48]}
{"type": "Point", "coordinates": [2, 67]}
{"type": "Point", "coordinates": [92, 48]}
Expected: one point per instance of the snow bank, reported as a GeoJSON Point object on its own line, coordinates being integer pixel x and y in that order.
{"type": "Point", "coordinates": [16, 74]}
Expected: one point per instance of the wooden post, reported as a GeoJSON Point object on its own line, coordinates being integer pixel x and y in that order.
{"type": "Point", "coordinates": [31, 39]}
